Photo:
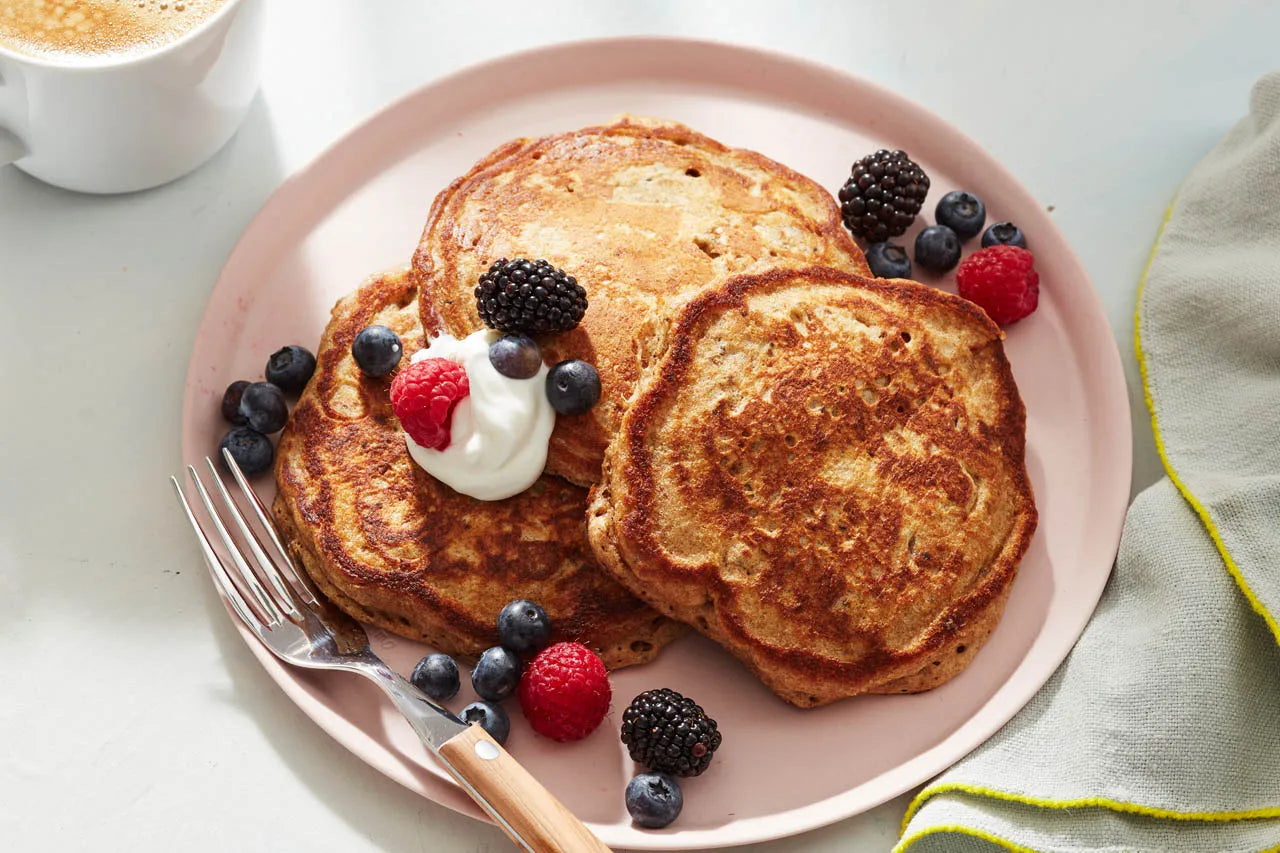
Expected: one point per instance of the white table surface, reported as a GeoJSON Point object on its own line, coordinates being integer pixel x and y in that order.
{"type": "Point", "coordinates": [132, 717]}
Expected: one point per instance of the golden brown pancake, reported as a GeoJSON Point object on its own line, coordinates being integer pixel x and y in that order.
{"type": "Point", "coordinates": [396, 548]}
{"type": "Point", "coordinates": [825, 474]}
{"type": "Point", "coordinates": [645, 214]}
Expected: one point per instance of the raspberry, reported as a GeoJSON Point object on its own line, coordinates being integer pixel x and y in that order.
{"type": "Point", "coordinates": [424, 396]}
{"type": "Point", "coordinates": [565, 692]}
{"type": "Point", "coordinates": [1002, 280]}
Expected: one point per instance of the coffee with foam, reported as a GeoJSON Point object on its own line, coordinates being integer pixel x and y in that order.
{"type": "Point", "coordinates": [93, 30]}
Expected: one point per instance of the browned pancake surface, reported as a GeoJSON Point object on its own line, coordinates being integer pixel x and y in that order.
{"type": "Point", "coordinates": [826, 475]}
{"type": "Point", "coordinates": [644, 214]}
{"type": "Point", "coordinates": [396, 548]}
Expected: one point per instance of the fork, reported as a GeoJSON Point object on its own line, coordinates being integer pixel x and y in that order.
{"type": "Point", "coordinates": [282, 608]}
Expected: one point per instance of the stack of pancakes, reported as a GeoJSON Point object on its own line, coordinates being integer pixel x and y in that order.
{"type": "Point", "coordinates": [821, 471]}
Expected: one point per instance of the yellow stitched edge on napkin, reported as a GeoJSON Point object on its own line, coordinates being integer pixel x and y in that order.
{"type": "Point", "coordinates": [1164, 458]}
{"type": "Point", "coordinates": [1103, 802]}
{"type": "Point", "coordinates": [1081, 802]}
{"type": "Point", "coordinates": [963, 830]}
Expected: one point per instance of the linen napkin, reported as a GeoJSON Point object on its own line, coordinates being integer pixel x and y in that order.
{"type": "Point", "coordinates": [1161, 731]}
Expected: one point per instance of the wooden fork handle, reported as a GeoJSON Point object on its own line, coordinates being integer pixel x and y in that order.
{"type": "Point", "coordinates": [531, 813]}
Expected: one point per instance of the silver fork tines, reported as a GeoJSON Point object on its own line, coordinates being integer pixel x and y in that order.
{"type": "Point", "coordinates": [261, 583]}
{"type": "Point", "coordinates": [293, 621]}
{"type": "Point", "coordinates": [283, 597]}
{"type": "Point", "coordinates": [226, 589]}
{"type": "Point", "coordinates": [299, 579]}
{"type": "Point", "coordinates": [285, 613]}
{"type": "Point", "coordinates": [245, 575]}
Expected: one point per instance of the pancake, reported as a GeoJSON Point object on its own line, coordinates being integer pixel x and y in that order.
{"type": "Point", "coordinates": [394, 547]}
{"type": "Point", "coordinates": [645, 214]}
{"type": "Point", "coordinates": [825, 474]}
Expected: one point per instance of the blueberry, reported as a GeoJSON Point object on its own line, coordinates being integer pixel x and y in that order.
{"type": "Point", "coordinates": [516, 356]}
{"type": "Point", "coordinates": [231, 402]}
{"type": "Point", "coordinates": [962, 212]}
{"type": "Point", "coordinates": [937, 249]}
{"type": "Point", "coordinates": [437, 676]}
{"type": "Point", "coordinates": [523, 627]}
{"type": "Point", "coordinates": [491, 718]}
{"type": "Point", "coordinates": [888, 260]}
{"type": "Point", "coordinates": [573, 387]}
{"type": "Point", "coordinates": [290, 368]}
{"type": "Point", "coordinates": [1004, 234]}
{"type": "Point", "coordinates": [496, 674]}
{"type": "Point", "coordinates": [251, 449]}
{"type": "Point", "coordinates": [654, 799]}
{"type": "Point", "coordinates": [377, 350]}
{"type": "Point", "coordinates": [263, 407]}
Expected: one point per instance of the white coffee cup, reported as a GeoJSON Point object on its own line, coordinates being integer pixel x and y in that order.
{"type": "Point", "coordinates": [118, 124]}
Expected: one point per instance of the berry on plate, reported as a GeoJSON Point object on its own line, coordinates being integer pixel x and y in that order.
{"type": "Point", "coordinates": [496, 674]}
{"type": "Point", "coordinates": [231, 402]}
{"type": "Point", "coordinates": [424, 395]}
{"type": "Point", "coordinates": [573, 387]}
{"type": "Point", "coordinates": [523, 627]}
{"type": "Point", "coordinates": [962, 212]}
{"type": "Point", "coordinates": [263, 407]}
{"type": "Point", "coordinates": [884, 193]}
{"type": "Point", "coordinates": [377, 350]}
{"type": "Point", "coordinates": [666, 731]}
{"type": "Point", "coordinates": [437, 676]}
{"type": "Point", "coordinates": [251, 449]}
{"type": "Point", "coordinates": [490, 717]}
{"type": "Point", "coordinates": [290, 368]}
{"type": "Point", "coordinates": [1002, 280]}
{"type": "Point", "coordinates": [1004, 234]}
{"type": "Point", "coordinates": [654, 800]}
{"type": "Point", "coordinates": [516, 356]}
{"type": "Point", "coordinates": [937, 249]}
{"type": "Point", "coordinates": [565, 692]}
{"type": "Point", "coordinates": [521, 296]}
{"type": "Point", "coordinates": [888, 260]}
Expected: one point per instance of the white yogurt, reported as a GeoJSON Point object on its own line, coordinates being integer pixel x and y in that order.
{"type": "Point", "coordinates": [498, 439]}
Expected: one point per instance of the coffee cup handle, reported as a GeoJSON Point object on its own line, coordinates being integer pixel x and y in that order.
{"type": "Point", "coordinates": [11, 147]}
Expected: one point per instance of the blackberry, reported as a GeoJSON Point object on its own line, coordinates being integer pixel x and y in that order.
{"type": "Point", "coordinates": [529, 297]}
{"type": "Point", "coordinates": [670, 733]}
{"type": "Point", "coordinates": [883, 195]}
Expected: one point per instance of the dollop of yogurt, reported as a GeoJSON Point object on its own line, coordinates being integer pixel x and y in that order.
{"type": "Point", "coordinates": [499, 434]}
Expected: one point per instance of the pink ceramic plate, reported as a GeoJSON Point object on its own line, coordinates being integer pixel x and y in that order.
{"type": "Point", "coordinates": [359, 208]}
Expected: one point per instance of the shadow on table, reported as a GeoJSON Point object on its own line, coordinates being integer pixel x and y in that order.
{"type": "Point", "coordinates": [389, 815]}
{"type": "Point", "coordinates": [101, 296]}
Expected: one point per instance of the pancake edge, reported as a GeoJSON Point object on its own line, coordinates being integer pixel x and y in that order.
{"type": "Point", "coordinates": [801, 678]}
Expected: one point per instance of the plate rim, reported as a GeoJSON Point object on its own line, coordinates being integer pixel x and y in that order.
{"type": "Point", "coordinates": [1108, 514]}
